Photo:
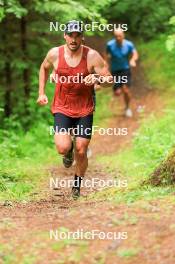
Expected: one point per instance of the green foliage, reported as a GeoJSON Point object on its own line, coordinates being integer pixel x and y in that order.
{"type": "Point", "coordinates": [12, 7]}
{"type": "Point", "coordinates": [128, 252]}
{"type": "Point", "coordinates": [144, 18]}
{"type": "Point", "coordinates": [2, 14]}
{"type": "Point", "coordinates": [150, 146]}
{"type": "Point", "coordinates": [170, 42]}
{"type": "Point", "coordinates": [161, 77]}
{"type": "Point", "coordinates": [164, 174]}
{"type": "Point", "coordinates": [24, 157]}
{"type": "Point", "coordinates": [103, 98]}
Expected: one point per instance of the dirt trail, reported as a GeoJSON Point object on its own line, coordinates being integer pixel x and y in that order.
{"type": "Point", "coordinates": [25, 227]}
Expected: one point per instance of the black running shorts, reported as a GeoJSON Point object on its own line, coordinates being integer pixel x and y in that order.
{"type": "Point", "coordinates": [122, 77]}
{"type": "Point", "coordinates": [79, 127]}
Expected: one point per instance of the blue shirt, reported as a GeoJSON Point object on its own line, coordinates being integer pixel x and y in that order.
{"type": "Point", "coordinates": [120, 54]}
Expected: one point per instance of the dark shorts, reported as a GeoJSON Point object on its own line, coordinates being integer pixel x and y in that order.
{"type": "Point", "coordinates": [80, 127]}
{"type": "Point", "coordinates": [122, 77]}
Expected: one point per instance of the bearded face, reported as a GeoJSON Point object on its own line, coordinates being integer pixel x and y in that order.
{"type": "Point", "coordinates": [73, 40]}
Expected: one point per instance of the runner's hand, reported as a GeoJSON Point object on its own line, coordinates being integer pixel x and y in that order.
{"type": "Point", "coordinates": [97, 87]}
{"type": "Point", "coordinates": [91, 79]}
{"type": "Point", "coordinates": [42, 99]}
{"type": "Point", "coordinates": [132, 63]}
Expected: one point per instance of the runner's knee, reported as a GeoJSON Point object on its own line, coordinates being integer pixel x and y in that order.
{"type": "Point", "coordinates": [118, 92]}
{"type": "Point", "coordinates": [63, 143]}
{"type": "Point", "coordinates": [81, 150]}
{"type": "Point", "coordinates": [126, 89]}
{"type": "Point", "coordinates": [62, 149]}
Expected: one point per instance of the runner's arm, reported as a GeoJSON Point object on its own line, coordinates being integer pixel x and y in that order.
{"type": "Point", "coordinates": [44, 72]}
{"type": "Point", "coordinates": [134, 58]}
{"type": "Point", "coordinates": [46, 65]}
{"type": "Point", "coordinates": [102, 74]}
{"type": "Point", "coordinates": [101, 68]}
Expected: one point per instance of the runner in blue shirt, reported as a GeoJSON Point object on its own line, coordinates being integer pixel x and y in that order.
{"type": "Point", "coordinates": [121, 55]}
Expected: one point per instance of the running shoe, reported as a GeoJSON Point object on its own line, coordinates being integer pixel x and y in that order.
{"type": "Point", "coordinates": [76, 187]}
{"type": "Point", "coordinates": [128, 112]}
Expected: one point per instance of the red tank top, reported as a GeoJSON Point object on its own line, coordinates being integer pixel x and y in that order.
{"type": "Point", "coordinates": [72, 99]}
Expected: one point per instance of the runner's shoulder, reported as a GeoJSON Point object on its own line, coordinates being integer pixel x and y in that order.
{"type": "Point", "coordinates": [52, 54]}
{"type": "Point", "coordinates": [128, 42]}
{"type": "Point", "coordinates": [92, 54]}
{"type": "Point", "coordinates": [111, 42]}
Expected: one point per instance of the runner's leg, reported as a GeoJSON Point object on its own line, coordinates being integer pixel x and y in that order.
{"type": "Point", "coordinates": [83, 137]}
{"type": "Point", "coordinates": [118, 92]}
{"type": "Point", "coordinates": [127, 95]}
{"type": "Point", "coordinates": [63, 141]}
{"type": "Point", "coordinates": [117, 86]}
{"type": "Point", "coordinates": [81, 147]}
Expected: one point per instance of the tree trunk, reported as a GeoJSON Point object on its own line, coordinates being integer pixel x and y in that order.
{"type": "Point", "coordinates": [7, 72]}
{"type": "Point", "coordinates": [8, 88]}
{"type": "Point", "coordinates": [25, 74]}
{"type": "Point", "coordinates": [25, 57]}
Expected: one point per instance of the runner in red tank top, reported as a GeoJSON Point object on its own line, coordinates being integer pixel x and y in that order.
{"type": "Point", "coordinates": [73, 99]}
{"type": "Point", "coordinates": [74, 65]}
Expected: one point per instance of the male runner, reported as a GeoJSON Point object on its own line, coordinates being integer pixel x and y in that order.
{"type": "Point", "coordinates": [73, 103]}
{"type": "Point", "coordinates": [121, 55]}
